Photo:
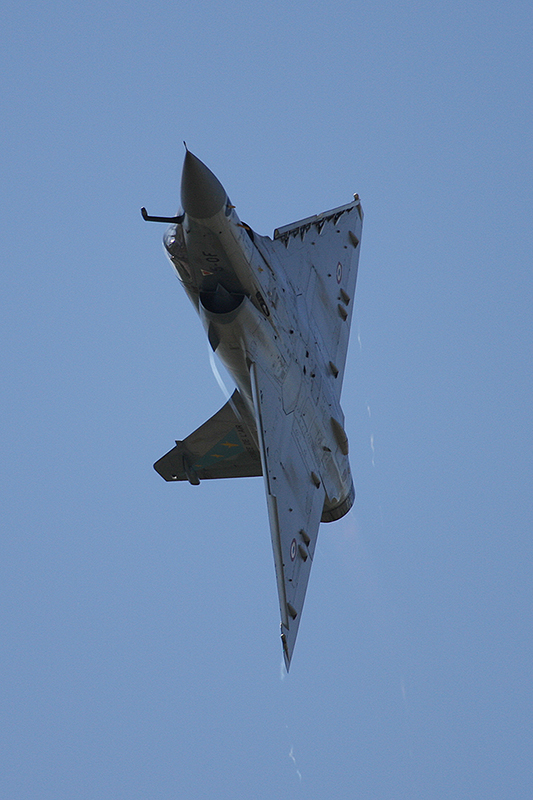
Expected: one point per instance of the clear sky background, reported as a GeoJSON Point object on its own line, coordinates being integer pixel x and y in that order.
{"type": "Point", "coordinates": [140, 653]}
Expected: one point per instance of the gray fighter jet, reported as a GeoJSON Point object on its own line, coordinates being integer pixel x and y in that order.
{"type": "Point", "coordinates": [277, 312]}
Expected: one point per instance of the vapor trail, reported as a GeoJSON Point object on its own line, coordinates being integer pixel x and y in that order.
{"type": "Point", "coordinates": [291, 756]}
{"type": "Point", "coordinates": [220, 381]}
{"type": "Point", "coordinates": [218, 377]}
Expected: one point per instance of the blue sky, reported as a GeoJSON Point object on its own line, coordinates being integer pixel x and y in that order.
{"type": "Point", "coordinates": [140, 651]}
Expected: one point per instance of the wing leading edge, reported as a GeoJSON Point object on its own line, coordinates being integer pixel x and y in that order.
{"type": "Point", "coordinates": [295, 499]}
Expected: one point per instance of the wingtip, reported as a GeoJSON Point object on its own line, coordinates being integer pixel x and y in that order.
{"type": "Point", "coordinates": [286, 654]}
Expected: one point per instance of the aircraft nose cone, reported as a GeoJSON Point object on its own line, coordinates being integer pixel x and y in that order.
{"type": "Point", "coordinates": [202, 194]}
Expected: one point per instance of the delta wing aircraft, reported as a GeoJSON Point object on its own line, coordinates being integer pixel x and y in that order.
{"type": "Point", "coordinates": [277, 312]}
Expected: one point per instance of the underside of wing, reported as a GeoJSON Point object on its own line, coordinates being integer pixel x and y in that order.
{"type": "Point", "coordinates": [223, 447]}
{"type": "Point", "coordinates": [295, 499]}
{"type": "Point", "coordinates": [320, 257]}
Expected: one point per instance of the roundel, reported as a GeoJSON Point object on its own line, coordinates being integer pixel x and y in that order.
{"type": "Point", "coordinates": [293, 549]}
{"type": "Point", "coordinates": [339, 272]}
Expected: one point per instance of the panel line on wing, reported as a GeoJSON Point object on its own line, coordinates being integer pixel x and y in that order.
{"type": "Point", "coordinates": [272, 503]}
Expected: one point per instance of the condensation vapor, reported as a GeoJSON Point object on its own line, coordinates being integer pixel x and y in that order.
{"type": "Point", "coordinates": [291, 756]}
{"type": "Point", "coordinates": [218, 376]}
{"type": "Point", "coordinates": [219, 379]}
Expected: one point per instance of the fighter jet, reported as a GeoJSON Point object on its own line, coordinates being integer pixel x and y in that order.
{"type": "Point", "coordinates": [277, 311]}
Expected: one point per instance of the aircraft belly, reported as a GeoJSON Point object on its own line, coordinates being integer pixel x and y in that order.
{"type": "Point", "coordinates": [208, 260]}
